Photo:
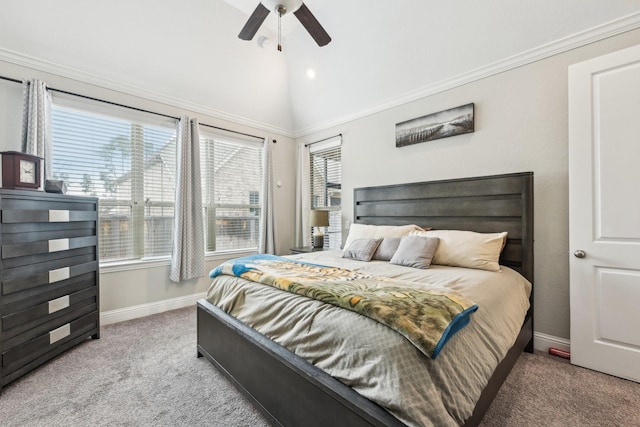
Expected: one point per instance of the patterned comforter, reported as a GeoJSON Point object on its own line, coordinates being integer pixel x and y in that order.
{"type": "Point", "coordinates": [377, 362]}
{"type": "Point", "coordinates": [427, 317]}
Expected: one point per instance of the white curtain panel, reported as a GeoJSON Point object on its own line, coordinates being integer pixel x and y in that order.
{"type": "Point", "coordinates": [187, 259]}
{"type": "Point", "coordinates": [267, 241]}
{"type": "Point", "coordinates": [303, 199]}
{"type": "Point", "coordinates": [36, 122]}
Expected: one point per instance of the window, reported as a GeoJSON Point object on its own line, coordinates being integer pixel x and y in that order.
{"type": "Point", "coordinates": [231, 186]}
{"type": "Point", "coordinates": [326, 187]}
{"type": "Point", "coordinates": [128, 160]}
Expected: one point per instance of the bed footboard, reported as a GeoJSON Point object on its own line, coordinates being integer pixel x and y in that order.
{"type": "Point", "coordinates": [290, 391]}
{"type": "Point", "coordinates": [284, 387]}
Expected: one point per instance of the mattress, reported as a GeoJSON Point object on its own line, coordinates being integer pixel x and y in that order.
{"type": "Point", "coordinates": [376, 361]}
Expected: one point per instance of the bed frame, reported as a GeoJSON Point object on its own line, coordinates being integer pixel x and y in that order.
{"type": "Point", "coordinates": [290, 391]}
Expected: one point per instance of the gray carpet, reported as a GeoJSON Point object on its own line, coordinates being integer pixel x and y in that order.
{"type": "Point", "coordinates": [145, 372]}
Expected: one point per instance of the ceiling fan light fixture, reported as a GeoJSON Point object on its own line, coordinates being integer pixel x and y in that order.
{"type": "Point", "coordinates": [264, 42]}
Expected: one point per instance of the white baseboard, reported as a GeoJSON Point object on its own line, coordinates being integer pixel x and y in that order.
{"type": "Point", "coordinates": [542, 342]}
{"type": "Point", "coordinates": [142, 310]}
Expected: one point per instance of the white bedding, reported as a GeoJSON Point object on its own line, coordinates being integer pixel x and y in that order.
{"type": "Point", "coordinates": [376, 361]}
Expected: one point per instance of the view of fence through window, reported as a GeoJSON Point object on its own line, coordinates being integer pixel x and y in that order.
{"type": "Point", "coordinates": [130, 165]}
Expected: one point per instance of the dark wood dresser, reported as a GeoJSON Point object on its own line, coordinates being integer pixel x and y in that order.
{"type": "Point", "coordinates": [49, 277]}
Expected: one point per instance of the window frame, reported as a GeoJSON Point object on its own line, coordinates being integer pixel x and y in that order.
{"type": "Point", "coordinates": [208, 203]}
{"type": "Point", "coordinates": [136, 204]}
{"type": "Point", "coordinates": [333, 233]}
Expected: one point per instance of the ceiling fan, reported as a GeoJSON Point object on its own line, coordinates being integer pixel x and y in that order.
{"type": "Point", "coordinates": [281, 7]}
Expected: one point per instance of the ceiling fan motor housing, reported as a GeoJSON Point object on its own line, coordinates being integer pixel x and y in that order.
{"type": "Point", "coordinates": [288, 5]}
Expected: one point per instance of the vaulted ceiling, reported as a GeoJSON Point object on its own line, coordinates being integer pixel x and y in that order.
{"type": "Point", "coordinates": [187, 52]}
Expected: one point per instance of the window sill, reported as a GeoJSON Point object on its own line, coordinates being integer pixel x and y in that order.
{"type": "Point", "coordinates": [140, 264]}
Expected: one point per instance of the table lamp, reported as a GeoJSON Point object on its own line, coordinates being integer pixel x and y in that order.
{"type": "Point", "coordinates": [318, 218]}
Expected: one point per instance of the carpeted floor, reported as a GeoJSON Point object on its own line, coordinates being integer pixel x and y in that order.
{"type": "Point", "coordinates": [145, 372]}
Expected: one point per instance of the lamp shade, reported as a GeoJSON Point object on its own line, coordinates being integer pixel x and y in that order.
{"type": "Point", "coordinates": [319, 218]}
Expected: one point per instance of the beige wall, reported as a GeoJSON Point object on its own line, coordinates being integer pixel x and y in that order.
{"type": "Point", "coordinates": [521, 125]}
{"type": "Point", "coordinates": [129, 287]}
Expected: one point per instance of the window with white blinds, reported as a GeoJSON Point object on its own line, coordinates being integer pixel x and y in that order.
{"type": "Point", "coordinates": [326, 187]}
{"type": "Point", "coordinates": [127, 159]}
{"type": "Point", "coordinates": [231, 187]}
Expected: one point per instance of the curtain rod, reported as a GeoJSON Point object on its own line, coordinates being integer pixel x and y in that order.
{"type": "Point", "coordinates": [235, 131]}
{"type": "Point", "coordinates": [322, 140]}
{"type": "Point", "coordinates": [133, 108]}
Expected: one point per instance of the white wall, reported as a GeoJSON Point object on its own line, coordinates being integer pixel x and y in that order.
{"type": "Point", "coordinates": [121, 289]}
{"type": "Point", "coordinates": [10, 115]}
{"type": "Point", "coordinates": [521, 125]}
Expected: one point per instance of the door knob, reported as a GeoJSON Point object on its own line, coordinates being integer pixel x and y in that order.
{"type": "Point", "coordinates": [579, 254]}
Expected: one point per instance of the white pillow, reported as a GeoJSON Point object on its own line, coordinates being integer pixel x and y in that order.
{"type": "Point", "coordinates": [366, 231]}
{"type": "Point", "coordinates": [467, 248]}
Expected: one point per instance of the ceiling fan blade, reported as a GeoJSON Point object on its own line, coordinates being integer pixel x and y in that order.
{"type": "Point", "coordinates": [253, 24]}
{"type": "Point", "coordinates": [312, 25]}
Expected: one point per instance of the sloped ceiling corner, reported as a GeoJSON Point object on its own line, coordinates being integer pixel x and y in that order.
{"type": "Point", "coordinates": [185, 51]}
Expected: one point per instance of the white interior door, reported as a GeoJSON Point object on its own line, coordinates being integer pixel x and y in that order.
{"type": "Point", "coordinates": [604, 213]}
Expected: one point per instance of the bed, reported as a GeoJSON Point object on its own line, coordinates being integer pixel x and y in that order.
{"type": "Point", "coordinates": [291, 391]}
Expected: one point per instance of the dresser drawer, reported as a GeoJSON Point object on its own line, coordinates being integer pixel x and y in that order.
{"type": "Point", "coordinates": [47, 246]}
{"type": "Point", "coordinates": [20, 339]}
{"type": "Point", "coordinates": [32, 210]}
{"type": "Point", "coordinates": [22, 278]}
{"type": "Point", "coordinates": [19, 301]}
{"type": "Point", "coordinates": [18, 356]}
{"type": "Point", "coordinates": [32, 231]}
{"type": "Point", "coordinates": [56, 258]}
{"type": "Point", "coordinates": [20, 321]}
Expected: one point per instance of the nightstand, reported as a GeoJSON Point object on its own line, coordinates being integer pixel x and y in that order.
{"type": "Point", "coordinates": [305, 249]}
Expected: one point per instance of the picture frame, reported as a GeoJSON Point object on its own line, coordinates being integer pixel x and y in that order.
{"type": "Point", "coordinates": [443, 124]}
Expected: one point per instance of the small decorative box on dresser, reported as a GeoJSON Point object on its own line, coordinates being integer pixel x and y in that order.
{"type": "Point", "coordinates": [48, 277]}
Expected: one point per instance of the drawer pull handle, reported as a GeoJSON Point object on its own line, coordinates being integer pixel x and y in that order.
{"type": "Point", "coordinates": [58, 304]}
{"type": "Point", "coordinates": [58, 216]}
{"type": "Point", "coordinates": [59, 274]}
{"type": "Point", "coordinates": [56, 245]}
{"type": "Point", "coordinates": [57, 334]}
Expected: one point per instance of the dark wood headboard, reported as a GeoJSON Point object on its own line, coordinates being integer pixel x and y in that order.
{"type": "Point", "coordinates": [484, 204]}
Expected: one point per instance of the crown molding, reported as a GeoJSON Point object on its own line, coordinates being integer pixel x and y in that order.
{"type": "Point", "coordinates": [583, 38]}
{"type": "Point", "coordinates": [597, 33]}
{"type": "Point", "coordinates": [20, 59]}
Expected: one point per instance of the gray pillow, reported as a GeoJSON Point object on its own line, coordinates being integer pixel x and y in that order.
{"type": "Point", "coordinates": [415, 251]}
{"type": "Point", "coordinates": [361, 249]}
{"type": "Point", "coordinates": [387, 248]}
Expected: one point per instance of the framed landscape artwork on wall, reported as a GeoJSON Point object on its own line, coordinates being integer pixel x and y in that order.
{"type": "Point", "coordinates": [451, 122]}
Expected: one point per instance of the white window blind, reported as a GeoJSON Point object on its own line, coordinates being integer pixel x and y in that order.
{"type": "Point", "coordinates": [326, 186]}
{"type": "Point", "coordinates": [231, 187]}
{"type": "Point", "coordinates": [128, 160]}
